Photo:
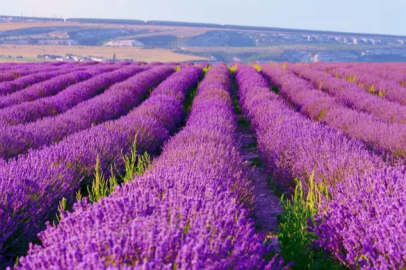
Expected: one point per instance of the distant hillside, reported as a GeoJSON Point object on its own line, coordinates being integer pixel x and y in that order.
{"type": "Point", "coordinates": [212, 41]}
{"type": "Point", "coordinates": [212, 25]}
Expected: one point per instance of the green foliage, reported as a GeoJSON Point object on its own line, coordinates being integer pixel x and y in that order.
{"type": "Point", "coordinates": [256, 161]}
{"type": "Point", "coordinates": [112, 180]}
{"type": "Point", "coordinates": [236, 105]}
{"type": "Point", "coordinates": [352, 78]}
{"type": "Point", "coordinates": [187, 105]}
{"type": "Point", "coordinates": [321, 115]}
{"type": "Point", "coordinates": [143, 162]}
{"type": "Point", "coordinates": [295, 239]}
{"type": "Point", "coordinates": [178, 68]}
{"type": "Point", "coordinates": [78, 195]}
{"type": "Point", "coordinates": [252, 144]}
{"type": "Point", "coordinates": [233, 69]}
{"type": "Point", "coordinates": [101, 187]}
{"type": "Point", "coordinates": [206, 69]}
{"type": "Point", "coordinates": [191, 94]}
{"type": "Point", "coordinates": [130, 163]}
{"type": "Point", "coordinates": [276, 188]}
{"type": "Point", "coordinates": [251, 147]}
{"type": "Point", "coordinates": [257, 67]}
{"type": "Point", "coordinates": [187, 228]}
{"type": "Point", "coordinates": [371, 89]}
{"type": "Point", "coordinates": [62, 205]}
{"type": "Point", "coordinates": [135, 164]}
{"type": "Point", "coordinates": [244, 123]}
{"type": "Point", "coordinates": [275, 90]}
{"type": "Point", "coordinates": [61, 208]}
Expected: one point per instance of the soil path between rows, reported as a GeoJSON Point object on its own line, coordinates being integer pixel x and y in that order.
{"type": "Point", "coordinates": [267, 204]}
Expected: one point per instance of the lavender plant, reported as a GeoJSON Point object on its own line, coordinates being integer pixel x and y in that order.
{"type": "Point", "coordinates": [7, 88]}
{"type": "Point", "coordinates": [352, 95]}
{"type": "Point", "coordinates": [381, 137]}
{"type": "Point", "coordinates": [35, 183]}
{"type": "Point", "coordinates": [25, 70]}
{"type": "Point", "coordinates": [50, 106]}
{"type": "Point", "coordinates": [292, 146]}
{"type": "Point", "coordinates": [116, 101]}
{"type": "Point", "coordinates": [186, 212]}
{"type": "Point", "coordinates": [52, 86]}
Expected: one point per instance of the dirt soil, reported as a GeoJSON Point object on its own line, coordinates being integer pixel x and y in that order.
{"type": "Point", "coordinates": [267, 204]}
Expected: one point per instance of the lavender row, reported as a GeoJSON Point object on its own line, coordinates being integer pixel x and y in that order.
{"type": "Point", "coordinates": [388, 71]}
{"type": "Point", "coordinates": [387, 87]}
{"type": "Point", "coordinates": [113, 103]}
{"type": "Point", "coordinates": [388, 74]}
{"type": "Point", "coordinates": [353, 95]}
{"type": "Point", "coordinates": [377, 134]}
{"type": "Point", "coordinates": [52, 86]}
{"type": "Point", "coordinates": [68, 98]}
{"type": "Point", "coordinates": [10, 87]}
{"type": "Point", "coordinates": [363, 225]}
{"type": "Point", "coordinates": [32, 185]}
{"type": "Point", "coordinates": [399, 68]}
{"type": "Point", "coordinates": [11, 65]}
{"type": "Point", "coordinates": [185, 213]}
{"type": "Point", "coordinates": [293, 146]}
{"type": "Point", "coordinates": [23, 70]}
{"type": "Point", "coordinates": [34, 65]}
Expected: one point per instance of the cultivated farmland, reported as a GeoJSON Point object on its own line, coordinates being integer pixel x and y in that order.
{"type": "Point", "coordinates": [199, 166]}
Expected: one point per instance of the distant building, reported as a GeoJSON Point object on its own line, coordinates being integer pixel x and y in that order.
{"type": "Point", "coordinates": [98, 58]}
{"type": "Point", "coordinates": [76, 58]}
{"type": "Point", "coordinates": [50, 56]}
{"type": "Point", "coordinates": [124, 43]}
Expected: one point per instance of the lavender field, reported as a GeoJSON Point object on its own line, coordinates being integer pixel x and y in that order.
{"type": "Point", "coordinates": [199, 166]}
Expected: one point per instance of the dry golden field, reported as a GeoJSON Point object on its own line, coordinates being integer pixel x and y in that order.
{"type": "Point", "coordinates": [30, 52]}
{"type": "Point", "coordinates": [137, 54]}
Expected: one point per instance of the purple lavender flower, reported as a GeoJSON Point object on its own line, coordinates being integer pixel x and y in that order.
{"type": "Point", "coordinates": [187, 212]}
{"type": "Point", "coordinates": [32, 185]}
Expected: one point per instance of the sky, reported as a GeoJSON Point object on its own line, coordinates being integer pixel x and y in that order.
{"type": "Point", "coordinates": [359, 16]}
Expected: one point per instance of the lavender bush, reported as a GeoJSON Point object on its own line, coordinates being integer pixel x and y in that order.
{"type": "Point", "coordinates": [32, 186]}
{"type": "Point", "coordinates": [363, 225]}
{"type": "Point", "coordinates": [378, 135]}
{"type": "Point", "coordinates": [187, 212]}
{"type": "Point", "coordinates": [53, 85]}
{"type": "Point", "coordinates": [353, 95]}
{"type": "Point", "coordinates": [25, 70]}
{"type": "Point", "coordinates": [291, 145]}
{"type": "Point", "coordinates": [31, 111]}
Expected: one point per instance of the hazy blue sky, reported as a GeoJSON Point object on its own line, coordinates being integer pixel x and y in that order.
{"type": "Point", "coordinates": [364, 16]}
